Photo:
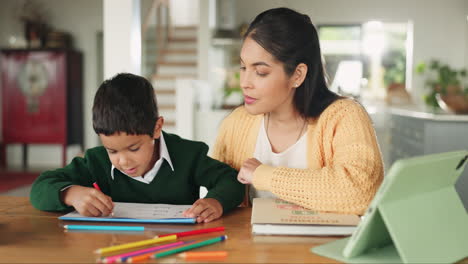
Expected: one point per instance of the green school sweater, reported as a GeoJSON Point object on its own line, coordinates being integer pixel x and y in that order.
{"type": "Point", "coordinates": [192, 169]}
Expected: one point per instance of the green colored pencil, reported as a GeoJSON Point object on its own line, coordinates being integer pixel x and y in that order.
{"type": "Point", "coordinates": [191, 246]}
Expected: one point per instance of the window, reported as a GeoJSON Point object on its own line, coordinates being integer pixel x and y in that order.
{"type": "Point", "coordinates": [363, 60]}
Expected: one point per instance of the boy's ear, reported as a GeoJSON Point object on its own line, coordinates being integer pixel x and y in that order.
{"type": "Point", "coordinates": [158, 127]}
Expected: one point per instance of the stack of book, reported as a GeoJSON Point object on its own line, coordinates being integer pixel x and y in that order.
{"type": "Point", "coordinates": [277, 217]}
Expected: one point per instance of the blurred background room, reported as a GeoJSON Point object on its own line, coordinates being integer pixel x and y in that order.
{"type": "Point", "coordinates": [404, 60]}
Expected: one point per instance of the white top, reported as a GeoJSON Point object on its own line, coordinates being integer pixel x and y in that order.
{"type": "Point", "coordinates": [149, 176]}
{"type": "Point", "coordinates": [293, 157]}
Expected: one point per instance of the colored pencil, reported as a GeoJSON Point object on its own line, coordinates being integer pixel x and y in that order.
{"type": "Point", "coordinates": [96, 186]}
{"type": "Point", "coordinates": [124, 256]}
{"type": "Point", "coordinates": [200, 255]}
{"type": "Point", "coordinates": [148, 255]}
{"type": "Point", "coordinates": [139, 258]}
{"type": "Point", "coordinates": [144, 256]}
{"type": "Point", "coordinates": [185, 248]}
{"type": "Point", "coordinates": [195, 232]}
{"type": "Point", "coordinates": [107, 228]}
{"type": "Point", "coordinates": [135, 244]}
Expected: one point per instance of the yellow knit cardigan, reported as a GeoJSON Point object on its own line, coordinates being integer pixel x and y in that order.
{"type": "Point", "coordinates": [345, 167]}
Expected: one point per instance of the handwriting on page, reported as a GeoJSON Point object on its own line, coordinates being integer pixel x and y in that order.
{"type": "Point", "coordinates": [144, 211]}
{"type": "Point", "coordinates": [149, 211]}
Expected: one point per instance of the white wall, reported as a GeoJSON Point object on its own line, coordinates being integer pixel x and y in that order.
{"type": "Point", "coordinates": [466, 34]}
{"type": "Point", "coordinates": [122, 37]}
{"type": "Point", "coordinates": [203, 38]}
{"type": "Point", "coordinates": [184, 12]}
{"type": "Point", "coordinates": [83, 19]}
{"type": "Point", "coordinates": [440, 26]}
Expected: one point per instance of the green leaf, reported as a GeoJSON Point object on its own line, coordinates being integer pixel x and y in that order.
{"type": "Point", "coordinates": [439, 78]}
{"type": "Point", "coordinates": [434, 65]}
{"type": "Point", "coordinates": [421, 68]}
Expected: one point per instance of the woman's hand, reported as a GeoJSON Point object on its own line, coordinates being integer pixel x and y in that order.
{"type": "Point", "coordinates": [245, 175]}
{"type": "Point", "coordinates": [205, 210]}
{"type": "Point", "coordinates": [88, 201]}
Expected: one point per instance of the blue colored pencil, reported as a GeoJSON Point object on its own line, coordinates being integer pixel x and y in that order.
{"type": "Point", "coordinates": [106, 228]}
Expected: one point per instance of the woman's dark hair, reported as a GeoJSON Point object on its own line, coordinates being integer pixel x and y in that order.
{"type": "Point", "coordinates": [292, 39]}
{"type": "Point", "coordinates": [125, 103]}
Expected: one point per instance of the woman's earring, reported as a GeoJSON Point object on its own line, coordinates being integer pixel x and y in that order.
{"type": "Point", "coordinates": [296, 84]}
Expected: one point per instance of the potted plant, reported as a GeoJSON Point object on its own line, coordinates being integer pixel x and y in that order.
{"type": "Point", "coordinates": [34, 18]}
{"type": "Point", "coordinates": [394, 63]}
{"type": "Point", "coordinates": [232, 90]}
{"type": "Point", "coordinates": [447, 86]}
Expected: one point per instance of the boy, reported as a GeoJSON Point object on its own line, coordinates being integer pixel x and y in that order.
{"type": "Point", "coordinates": [138, 162]}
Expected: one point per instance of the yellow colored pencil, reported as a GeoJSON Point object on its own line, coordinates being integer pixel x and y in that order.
{"type": "Point", "coordinates": [135, 244]}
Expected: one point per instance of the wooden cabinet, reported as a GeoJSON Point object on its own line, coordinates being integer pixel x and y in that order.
{"type": "Point", "coordinates": [41, 98]}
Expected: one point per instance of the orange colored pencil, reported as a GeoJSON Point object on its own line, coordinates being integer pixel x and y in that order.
{"type": "Point", "coordinates": [139, 258]}
{"type": "Point", "coordinates": [200, 255]}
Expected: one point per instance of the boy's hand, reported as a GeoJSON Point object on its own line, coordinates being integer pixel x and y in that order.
{"type": "Point", "coordinates": [205, 210]}
{"type": "Point", "coordinates": [88, 201]}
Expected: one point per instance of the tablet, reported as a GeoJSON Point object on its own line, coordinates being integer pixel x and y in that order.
{"type": "Point", "coordinates": [415, 216]}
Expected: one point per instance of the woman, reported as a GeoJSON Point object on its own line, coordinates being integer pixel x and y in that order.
{"type": "Point", "coordinates": [293, 138]}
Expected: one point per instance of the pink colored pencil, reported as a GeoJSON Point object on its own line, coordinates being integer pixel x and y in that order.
{"type": "Point", "coordinates": [96, 186]}
{"type": "Point", "coordinates": [114, 258]}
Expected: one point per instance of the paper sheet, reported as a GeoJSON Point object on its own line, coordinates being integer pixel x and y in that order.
{"type": "Point", "coordinates": [143, 211]}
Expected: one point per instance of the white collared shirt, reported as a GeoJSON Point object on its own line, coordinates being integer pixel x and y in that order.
{"type": "Point", "coordinates": [149, 176]}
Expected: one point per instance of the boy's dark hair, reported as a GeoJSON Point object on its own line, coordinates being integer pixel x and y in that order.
{"type": "Point", "coordinates": [292, 39]}
{"type": "Point", "coordinates": [125, 103]}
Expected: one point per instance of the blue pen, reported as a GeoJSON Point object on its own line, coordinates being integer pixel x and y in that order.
{"type": "Point", "coordinates": [107, 228]}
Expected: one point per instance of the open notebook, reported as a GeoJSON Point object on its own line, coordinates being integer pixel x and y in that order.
{"type": "Point", "coordinates": [139, 213]}
{"type": "Point", "coordinates": [416, 216]}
